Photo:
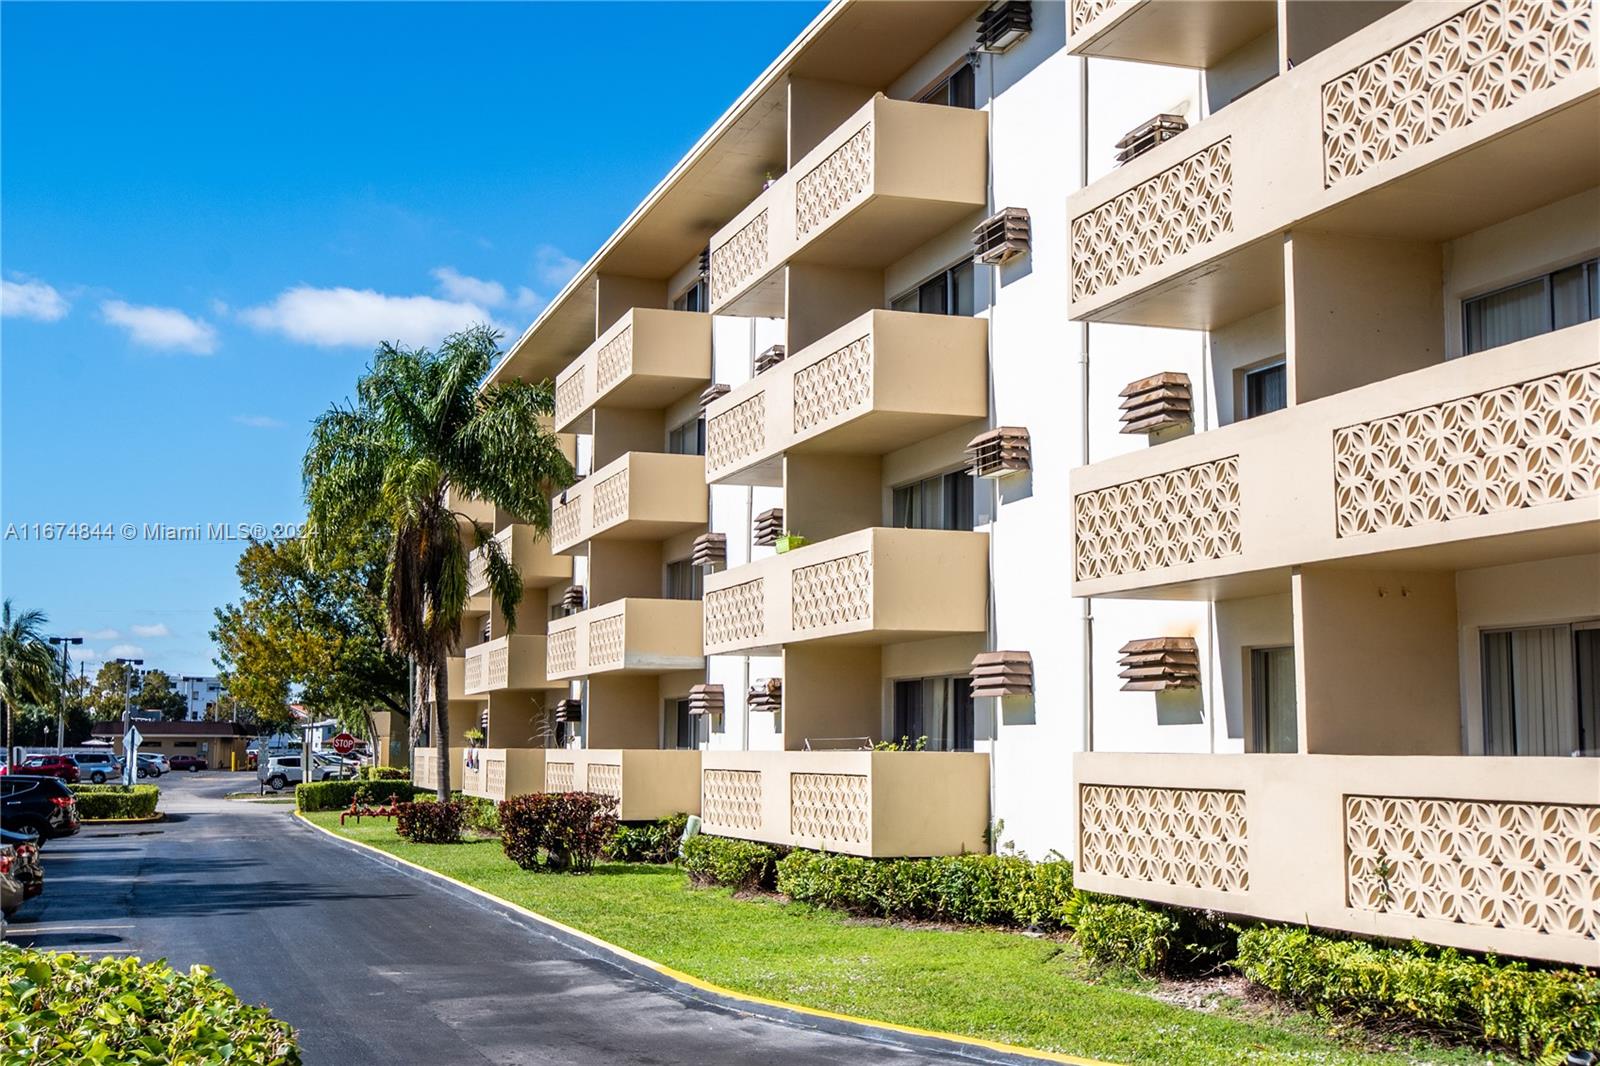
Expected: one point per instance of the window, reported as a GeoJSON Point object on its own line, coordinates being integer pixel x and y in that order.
{"type": "Point", "coordinates": [948, 292]}
{"type": "Point", "coordinates": [692, 298]}
{"type": "Point", "coordinates": [1541, 690]}
{"type": "Point", "coordinates": [1529, 308]}
{"type": "Point", "coordinates": [1273, 708]}
{"type": "Point", "coordinates": [1266, 389]}
{"type": "Point", "coordinates": [683, 728]}
{"type": "Point", "coordinates": [689, 438]}
{"type": "Point", "coordinates": [938, 708]}
{"type": "Point", "coordinates": [955, 89]}
{"type": "Point", "coordinates": [940, 502]}
{"type": "Point", "coordinates": [684, 580]}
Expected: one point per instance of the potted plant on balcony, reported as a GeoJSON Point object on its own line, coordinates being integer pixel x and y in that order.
{"type": "Point", "coordinates": [474, 737]}
{"type": "Point", "coordinates": [789, 542]}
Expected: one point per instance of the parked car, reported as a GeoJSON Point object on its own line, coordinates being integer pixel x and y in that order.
{"type": "Point", "coordinates": [98, 766]}
{"type": "Point", "coordinates": [281, 771]}
{"type": "Point", "coordinates": [187, 762]}
{"type": "Point", "coordinates": [38, 807]}
{"type": "Point", "coordinates": [25, 865]}
{"type": "Point", "coordinates": [152, 766]}
{"type": "Point", "coordinates": [62, 766]}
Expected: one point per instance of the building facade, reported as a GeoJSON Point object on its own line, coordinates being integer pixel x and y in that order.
{"type": "Point", "coordinates": [1164, 433]}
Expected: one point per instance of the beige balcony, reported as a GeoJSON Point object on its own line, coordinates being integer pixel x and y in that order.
{"type": "Point", "coordinates": [501, 773]}
{"type": "Point", "coordinates": [647, 360]}
{"type": "Point", "coordinates": [872, 803]}
{"type": "Point", "coordinates": [1178, 33]}
{"type": "Point", "coordinates": [638, 496]}
{"type": "Point", "coordinates": [1369, 136]}
{"type": "Point", "coordinates": [1489, 854]}
{"type": "Point", "coordinates": [880, 382]}
{"type": "Point", "coordinates": [528, 553]}
{"type": "Point", "coordinates": [627, 636]}
{"type": "Point", "coordinates": [425, 767]}
{"type": "Point", "coordinates": [647, 784]}
{"type": "Point", "coordinates": [469, 508]}
{"type": "Point", "coordinates": [455, 670]}
{"type": "Point", "coordinates": [889, 178]}
{"type": "Point", "coordinates": [1478, 461]}
{"type": "Point", "coordinates": [868, 587]}
{"type": "Point", "coordinates": [514, 663]}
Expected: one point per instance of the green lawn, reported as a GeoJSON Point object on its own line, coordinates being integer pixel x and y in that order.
{"type": "Point", "coordinates": [982, 983]}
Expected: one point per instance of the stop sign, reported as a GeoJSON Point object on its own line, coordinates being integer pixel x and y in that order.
{"type": "Point", "coordinates": [344, 743]}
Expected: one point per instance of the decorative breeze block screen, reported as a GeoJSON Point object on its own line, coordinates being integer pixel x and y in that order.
{"type": "Point", "coordinates": [735, 613]}
{"type": "Point", "coordinates": [614, 361]}
{"type": "Point", "coordinates": [736, 433]}
{"type": "Point", "coordinates": [606, 778]}
{"type": "Point", "coordinates": [834, 385]}
{"type": "Point", "coordinates": [834, 183]}
{"type": "Point", "coordinates": [561, 650]}
{"type": "Point", "coordinates": [571, 398]}
{"type": "Point", "coordinates": [605, 640]}
{"type": "Point", "coordinates": [731, 798]}
{"type": "Point", "coordinates": [559, 777]}
{"type": "Point", "coordinates": [834, 592]}
{"type": "Point", "coordinates": [830, 807]}
{"type": "Point", "coordinates": [1191, 837]}
{"type": "Point", "coordinates": [611, 499]}
{"type": "Point", "coordinates": [1184, 516]}
{"type": "Point", "coordinates": [739, 258]}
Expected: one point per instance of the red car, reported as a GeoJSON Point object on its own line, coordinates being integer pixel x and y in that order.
{"type": "Point", "coordinates": [61, 766]}
{"type": "Point", "coordinates": [186, 762]}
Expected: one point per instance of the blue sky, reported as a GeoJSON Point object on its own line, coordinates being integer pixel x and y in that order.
{"type": "Point", "coordinates": [210, 213]}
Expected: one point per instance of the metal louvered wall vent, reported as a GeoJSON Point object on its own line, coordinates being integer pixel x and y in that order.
{"type": "Point", "coordinates": [1002, 237]}
{"type": "Point", "coordinates": [1002, 673]}
{"type": "Point", "coordinates": [1156, 403]}
{"type": "Point", "coordinates": [1148, 135]}
{"type": "Point", "coordinates": [766, 694]}
{"type": "Point", "coordinates": [569, 710]}
{"type": "Point", "coordinates": [1000, 451]}
{"type": "Point", "coordinates": [771, 358]}
{"type": "Point", "coordinates": [1002, 24]}
{"type": "Point", "coordinates": [713, 394]}
{"type": "Point", "coordinates": [1159, 663]}
{"type": "Point", "coordinates": [706, 699]}
{"type": "Point", "coordinates": [705, 263]}
{"type": "Point", "coordinates": [709, 550]}
{"type": "Point", "coordinates": [572, 599]}
{"type": "Point", "coordinates": [769, 527]}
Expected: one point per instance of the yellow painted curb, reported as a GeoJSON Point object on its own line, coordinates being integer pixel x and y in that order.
{"type": "Point", "coordinates": [707, 986]}
{"type": "Point", "coordinates": [159, 816]}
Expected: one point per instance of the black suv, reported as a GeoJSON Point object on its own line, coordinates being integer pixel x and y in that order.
{"type": "Point", "coordinates": [39, 806]}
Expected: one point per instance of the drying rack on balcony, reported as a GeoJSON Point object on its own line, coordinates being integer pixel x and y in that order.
{"type": "Point", "coordinates": [838, 744]}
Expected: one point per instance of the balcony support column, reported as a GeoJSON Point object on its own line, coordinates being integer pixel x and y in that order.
{"type": "Point", "coordinates": [830, 495]}
{"type": "Point", "coordinates": [820, 297]}
{"type": "Point", "coordinates": [831, 691]}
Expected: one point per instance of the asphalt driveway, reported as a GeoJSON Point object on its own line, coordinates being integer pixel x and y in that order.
{"type": "Point", "coordinates": [374, 965]}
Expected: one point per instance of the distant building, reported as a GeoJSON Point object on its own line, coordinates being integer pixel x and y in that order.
{"type": "Point", "coordinates": [201, 694]}
{"type": "Point", "coordinates": [220, 744]}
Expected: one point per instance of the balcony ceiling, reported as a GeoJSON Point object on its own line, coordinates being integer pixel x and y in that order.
{"type": "Point", "coordinates": [1183, 33]}
{"type": "Point", "coordinates": [865, 43]}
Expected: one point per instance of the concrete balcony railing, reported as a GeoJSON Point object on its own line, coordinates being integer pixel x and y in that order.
{"type": "Point", "coordinates": [1489, 854]}
{"type": "Point", "coordinates": [1396, 130]}
{"type": "Point", "coordinates": [1492, 451]}
{"type": "Point", "coordinates": [638, 496]}
{"type": "Point", "coordinates": [889, 178]}
{"type": "Point", "coordinates": [871, 586]}
{"type": "Point", "coordinates": [647, 784]}
{"type": "Point", "coordinates": [501, 773]}
{"type": "Point", "coordinates": [455, 670]}
{"type": "Point", "coordinates": [425, 767]}
{"type": "Point", "coordinates": [880, 382]}
{"type": "Point", "coordinates": [647, 360]}
{"type": "Point", "coordinates": [1179, 33]}
{"type": "Point", "coordinates": [627, 636]}
{"type": "Point", "coordinates": [514, 663]}
{"type": "Point", "coordinates": [872, 803]}
{"type": "Point", "coordinates": [529, 553]}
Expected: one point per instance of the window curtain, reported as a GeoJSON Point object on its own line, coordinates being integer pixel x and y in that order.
{"type": "Point", "coordinates": [1528, 698]}
{"type": "Point", "coordinates": [1508, 316]}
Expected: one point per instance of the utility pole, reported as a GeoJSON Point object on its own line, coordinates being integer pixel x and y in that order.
{"type": "Point", "coordinates": [61, 717]}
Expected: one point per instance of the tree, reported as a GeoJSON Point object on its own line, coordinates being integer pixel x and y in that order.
{"type": "Point", "coordinates": [27, 667]}
{"type": "Point", "coordinates": [156, 692]}
{"type": "Point", "coordinates": [315, 632]}
{"type": "Point", "coordinates": [422, 428]}
{"type": "Point", "coordinates": [109, 695]}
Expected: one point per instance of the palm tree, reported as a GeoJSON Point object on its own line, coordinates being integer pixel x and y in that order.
{"type": "Point", "coordinates": [27, 665]}
{"type": "Point", "coordinates": [421, 425]}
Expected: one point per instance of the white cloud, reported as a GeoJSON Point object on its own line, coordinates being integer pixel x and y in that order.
{"type": "Point", "coordinates": [162, 327]}
{"type": "Point", "coordinates": [467, 289]}
{"type": "Point", "coordinates": [528, 300]}
{"type": "Point", "coordinates": [98, 634]}
{"type": "Point", "coordinates": [156, 630]}
{"type": "Point", "coordinates": [25, 298]}
{"type": "Point", "coordinates": [125, 651]}
{"type": "Point", "coordinates": [85, 654]}
{"type": "Point", "coordinates": [258, 421]}
{"type": "Point", "coordinates": [343, 317]}
{"type": "Point", "coordinates": [553, 267]}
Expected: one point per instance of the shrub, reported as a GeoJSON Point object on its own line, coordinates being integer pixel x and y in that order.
{"type": "Point", "coordinates": [983, 889]}
{"type": "Point", "coordinates": [1534, 1012]}
{"type": "Point", "coordinates": [1126, 935]}
{"type": "Point", "coordinates": [116, 801]}
{"type": "Point", "coordinates": [724, 861]}
{"type": "Point", "coordinates": [336, 795]}
{"type": "Point", "coordinates": [478, 813]}
{"type": "Point", "coordinates": [65, 1008]}
{"type": "Point", "coordinates": [429, 821]}
{"type": "Point", "coordinates": [559, 831]}
{"type": "Point", "coordinates": [648, 842]}
{"type": "Point", "coordinates": [385, 773]}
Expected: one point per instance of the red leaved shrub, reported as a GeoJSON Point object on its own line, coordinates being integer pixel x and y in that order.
{"type": "Point", "coordinates": [560, 831]}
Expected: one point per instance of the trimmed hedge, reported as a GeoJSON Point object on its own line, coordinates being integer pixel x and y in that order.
{"type": "Point", "coordinates": [336, 795]}
{"type": "Point", "coordinates": [1537, 1013]}
{"type": "Point", "coordinates": [978, 889]}
{"type": "Point", "coordinates": [725, 861]}
{"type": "Point", "coordinates": [97, 802]}
{"type": "Point", "coordinates": [384, 773]}
{"type": "Point", "coordinates": [557, 831]}
{"type": "Point", "coordinates": [65, 1008]}
{"type": "Point", "coordinates": [655, 842]}
{"type": "Point", "coordinates": [477, 812]}
{"type": "Point", "coordinates": [428, 821]}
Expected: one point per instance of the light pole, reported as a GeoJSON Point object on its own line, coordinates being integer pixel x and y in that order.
{"type": "Point", "coordinates": [127, 716]}
{"type": "Point", "coordinates": [61, 718]}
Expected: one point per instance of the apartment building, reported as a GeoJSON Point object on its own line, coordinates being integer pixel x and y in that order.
{"type": "Point", "coordinates": [1174, 420]}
